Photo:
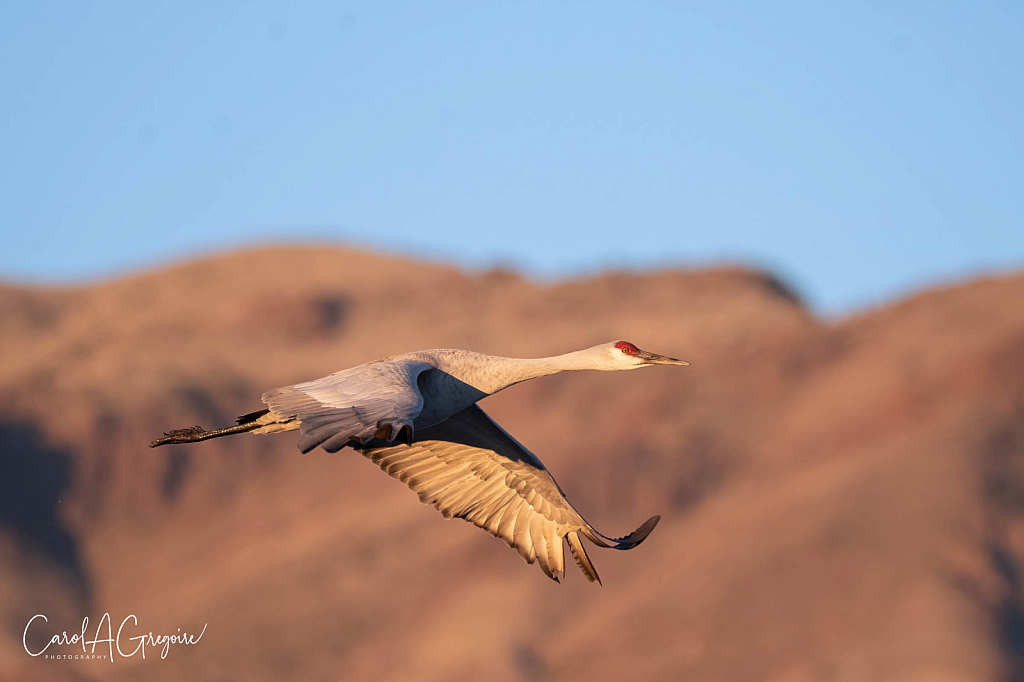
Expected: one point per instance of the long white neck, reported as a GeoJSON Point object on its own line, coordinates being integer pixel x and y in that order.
{"type": "Point", "coordinates": [491, 374]}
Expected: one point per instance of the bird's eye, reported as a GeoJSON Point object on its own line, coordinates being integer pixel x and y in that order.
{"type": "Point", "coordinates": [627, 348]}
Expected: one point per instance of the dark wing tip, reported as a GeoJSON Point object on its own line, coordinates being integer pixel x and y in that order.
{"type": "Point", "coordinates": [639, 535]}
{"type": "Point", "coordinates": [628, 542]}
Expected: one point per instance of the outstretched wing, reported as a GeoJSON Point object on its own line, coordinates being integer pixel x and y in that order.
{"type": "Point", "coordinates": [468, 467]}
{"type": "Point", "coordinates": [377, 400]}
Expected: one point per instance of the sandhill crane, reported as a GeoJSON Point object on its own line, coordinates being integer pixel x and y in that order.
{"type": "Point", "coordinates": [415, 416]}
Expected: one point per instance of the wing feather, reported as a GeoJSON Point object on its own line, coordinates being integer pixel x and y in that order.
{"type": "Point", "coordinates": [353, 405]}
{"type": "Point", "coordinates": [556, 555]}
{"type": "Point", "coordinates": [580, 555]}
{"type": "Point", "coordinates": [507, 523]}
{"type": "Point", "coordinates": [468, 467]}
{"type": "Point", "coordinates": [540, 543]}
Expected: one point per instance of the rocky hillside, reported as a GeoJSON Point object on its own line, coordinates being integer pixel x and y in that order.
{"type": "Point", "coordinates": [839, 500]}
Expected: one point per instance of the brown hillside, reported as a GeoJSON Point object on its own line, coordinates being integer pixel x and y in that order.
{"type": "Point", "coordinates": [840, 501]}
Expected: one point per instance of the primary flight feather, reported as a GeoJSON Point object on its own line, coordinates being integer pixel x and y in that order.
{"type": "Point", "coordinates": [415, 416]}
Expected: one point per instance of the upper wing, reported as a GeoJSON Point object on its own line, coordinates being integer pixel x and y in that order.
{"type": "Point", "coordinates": [468, 467]}
{"type": "Point", "coordinates": [377, 400]}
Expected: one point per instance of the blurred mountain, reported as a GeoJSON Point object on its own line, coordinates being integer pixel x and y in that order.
{"type": "Point", "coordinates": [840, 500]}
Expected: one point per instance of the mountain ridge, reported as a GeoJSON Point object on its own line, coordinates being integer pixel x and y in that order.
{"type": "Point", "coordinates": [826, 487]}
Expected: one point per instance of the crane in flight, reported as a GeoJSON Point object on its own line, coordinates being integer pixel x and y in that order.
{"type": "Point", "coordinates": [415, 416]}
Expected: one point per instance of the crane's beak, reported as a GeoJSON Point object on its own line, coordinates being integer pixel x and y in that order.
{"type": "Point", "coordinates": [655, 359]}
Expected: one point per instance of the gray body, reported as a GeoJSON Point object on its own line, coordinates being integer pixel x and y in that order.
{"type": "Point", "coordinates": [415, 416]}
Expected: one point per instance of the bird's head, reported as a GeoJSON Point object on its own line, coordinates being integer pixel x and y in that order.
{"type": "Point", "coordinates": [624, 355]}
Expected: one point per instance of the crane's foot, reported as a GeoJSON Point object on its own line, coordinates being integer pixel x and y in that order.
{"type": "Point", "coordinates": [189, 435]}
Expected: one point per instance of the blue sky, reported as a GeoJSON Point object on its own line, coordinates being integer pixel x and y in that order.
{"type": "Point", "coordinates": [860, 150]}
